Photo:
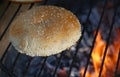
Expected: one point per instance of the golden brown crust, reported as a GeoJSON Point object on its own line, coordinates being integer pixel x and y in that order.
{"type": "Point", "coordinates": [44, 30]}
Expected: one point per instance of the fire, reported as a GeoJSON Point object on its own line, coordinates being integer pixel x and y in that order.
{"type": "Point", "coordinates": [97, 53]}
{"type": "Point", "coordinates": [110, 59]}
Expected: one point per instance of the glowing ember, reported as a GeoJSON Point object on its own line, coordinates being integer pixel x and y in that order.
{"type": "Point", "coordinates": [110, 59]}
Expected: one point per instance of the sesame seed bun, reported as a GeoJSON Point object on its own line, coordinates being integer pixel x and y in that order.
{"type": "Point", "coordinates": [44, 31]}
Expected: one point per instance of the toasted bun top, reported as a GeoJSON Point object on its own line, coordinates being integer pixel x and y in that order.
{"type": "Point", "coordinates": [44, 30]}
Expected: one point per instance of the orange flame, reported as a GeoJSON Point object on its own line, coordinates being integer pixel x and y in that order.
{"type": "Point", "coordinates": [110, 59]}
{"type": "Point", "coordinates": [98, 53]}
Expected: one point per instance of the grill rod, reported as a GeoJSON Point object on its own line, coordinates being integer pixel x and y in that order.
{"type": "Point", "coordinates": [77, 47]}
{"type": "Point", "coordinates": [117, 65]}
{"type": "Point", "coordinates": [108, 39]}
{"type": "Point", "coordinates": [97, 30]}
{"type": "Point", "coordinates": [5, 9]}
{"type": "Point", "coordinates": [1, 36]}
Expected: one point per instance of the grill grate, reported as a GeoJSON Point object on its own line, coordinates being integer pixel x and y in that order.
{"type": "Point", "coordinates": [95, 37]}
{"type": "Point", "coordinates": [10, 71]}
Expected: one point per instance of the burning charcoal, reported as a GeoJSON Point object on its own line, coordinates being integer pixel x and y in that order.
{"type": "Point", "coordinates": [48, 70]}
{"type": "Point", "coordinates": [82, 17]}
{"type": "Point", "coordinates": [10, 57]}
{"type": "Point", "coordinates": [21, 65]}
{"type": "Point", "coordinates": [51, 60]}
{"type": "Point", "coordinates": [72, 48]}
{"type": "Point", "coordinates": [65, 63]}
{"type": "Point", "coordinates": [74, 72]}
{"type": "Point", "coordinates": [83, 43]}
{"type": "Point", "coordinates": [94, 18]}
{"type": "Point", "coordinates": [62, 73]}
{"type": "Point", "coordinates": [67, 55]}
{"type": "Point", "coordinates": [88, 39]}
{"type": "Point", "coordinates": [58, 55]}
{"type": "Point", "coordinates": [36, 60]}
{"type": "Point", "coordinates": [45, 73]}
{"type": "Point", "coordinates": [50, 67]}
{"type": "Point", "coordinates": [85, 49]}
{"type": "Point", "coordinates": [35, 65]}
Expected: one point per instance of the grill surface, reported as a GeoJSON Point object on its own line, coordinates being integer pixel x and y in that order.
{"type": "Point", "coordinates": [11, 10]}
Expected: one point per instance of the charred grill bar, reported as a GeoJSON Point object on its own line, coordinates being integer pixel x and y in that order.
{"type": "Point", "coordinates": [10, 71]}
{"type": "Point", "coordinates": [116, 69]}
{"type": "Point", "coordinates": [108, 39]}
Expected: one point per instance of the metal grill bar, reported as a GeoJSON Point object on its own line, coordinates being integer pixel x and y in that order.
{"type": "Point", "coordinates": [117, 64]}
{"type": "Point", "coordinates": [10, 43]}
{"type": "Point", "coordinates": [3, 56]}
{"type": "Point", "coordinates": [42, 67]}
{"type": "Point", "coordinates": [1, 36]}
{"type": "Point", "coordinates": [45, 59]}
{"type": "Point", "coordinates": [88, 60]}
{"type": "Point", "coordinates": [3, 67]}
{"type": "Point", "coordinates": [108, 39]}
{"type": "Point", "coordinates": [14, 63]}
{"type": "Point", "coordinates": [18, 54]}
{"type": "Point", "coordinates": [57, 65]}
{"type": "Point", "coordinates": [31, 6]}
{"type": "Point", "coordinates": [6, 70]}
{"type": "Point", "coordinates": [77, 47]}
{"type": "Point", "coordinates": [27, 67]}
{"type": "Point", "coordinates": [5, 9]}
